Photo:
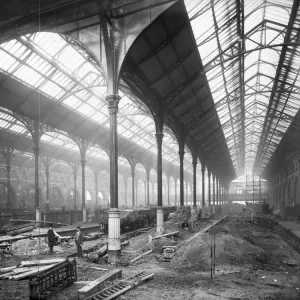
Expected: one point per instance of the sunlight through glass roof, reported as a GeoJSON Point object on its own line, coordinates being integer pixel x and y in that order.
{"type": "Point", "coordinates": [60, 69]}
{"type": "Point", "coordinates": [220, 41]}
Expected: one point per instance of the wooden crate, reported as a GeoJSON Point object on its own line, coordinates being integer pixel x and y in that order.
{"type": "Point", "coordinates": [53, 280]}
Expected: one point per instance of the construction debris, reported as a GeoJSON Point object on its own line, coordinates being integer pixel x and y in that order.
{"type": "Point", "coordinates": [43, 262]}
{"type": "Point", "coordinates": [135, 259]}
{"type": "Point", "coordinates": [120, 287]}
{"type": "Point", "coordinates": [52, 280]}
{"type": "Point", "coordinates": [98, 284]}
{"type": "Point", "coordinates": [175, 233]}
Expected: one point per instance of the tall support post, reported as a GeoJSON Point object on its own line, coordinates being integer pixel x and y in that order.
{"type": "Point", "coordinates": [136, 193]}
{"type": "Point", "coordinates": [186, 192]}
{"type": "Point", "coordinates": [96, 172]}
{"type": "Point", "coordinates": [148, 186]}
{"type": "Point", "coordinates": [195, 181]}
{"type": "Point", "coordinates": [168, 185]}
{"type": "Point", "coordinates": [260, 188]}
{"type": "Point", "coordinates": [74, 166]}
{"type": "Point", "coordinates": [83, 161]}
{"type": "Point", "coordinates": [145, 188]}
{"type": "Point", "coordinates": [114, 241]}
{"type": "Point", "coordinates": [181, 174]}
{"type": "Point", "coordinates": [36, 151]}
{"type": "Point", "coordinates": [175, 191]}
{"type": "Point", "coordinates": [125, 187]}
{"type": "Point", "coordinates": [8, 154]}
{"type": "Point", "coordinates": [214, 194]}
{"type": "Point", "coordinates": [209, 189]}
{"type": "Point", "coordinates": [203, 183]}
{"type": "Point", "coordinates": [134, 197]}
{"type": "Point", "coordinates": [253, 188]}
{"type": "Point", "coordinates": [160, 216]}
{"type": "Point", "coordinates": [223, 194]}
{"type": "Point", "coordinates": [153, 196]}
{"type": "Point", "coordinates": [83, 147]}
{"type": "Point", "coordinates": [47, 164]}
{"type": "Point", "coordinates": [217, 190]}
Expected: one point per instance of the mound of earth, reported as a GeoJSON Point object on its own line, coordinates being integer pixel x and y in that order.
{"type": "Point", "coordinates": [230, 250]}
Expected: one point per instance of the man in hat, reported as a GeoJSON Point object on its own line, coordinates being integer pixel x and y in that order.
{"type": "Point", "coordinates": [79, 241]}
{"type": "Point", "coordinates": [52, 236]}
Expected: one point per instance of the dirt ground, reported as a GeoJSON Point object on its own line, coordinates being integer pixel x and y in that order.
{"type": "Point", "coordinates": [252, 262]}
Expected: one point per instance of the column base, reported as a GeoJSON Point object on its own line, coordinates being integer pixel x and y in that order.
{"type": "Point", "coordinates": [83, 214]}
{"type": "Point", "coordinates": [38, 216]}
{"type": "Point", "coordinates": [114, 256]}
{"type": "Point", "coordinates": [114, 240]}
{"type": "Point", "coordinates": [160, 220]}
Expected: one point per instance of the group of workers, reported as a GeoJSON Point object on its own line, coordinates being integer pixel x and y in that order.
{"type": "Point", "coordinates": [52, 236]}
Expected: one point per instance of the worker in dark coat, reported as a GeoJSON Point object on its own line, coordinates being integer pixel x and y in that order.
{"type": "Point", "coordinates": [52, 237]}
{"type": "Point", "coordinates": [79, 241]}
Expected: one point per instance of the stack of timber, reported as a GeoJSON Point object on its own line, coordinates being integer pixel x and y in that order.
{"type": "Point", "coordinates": [28, 268]}
{"type": "Point", "coordinates": [13, 230]}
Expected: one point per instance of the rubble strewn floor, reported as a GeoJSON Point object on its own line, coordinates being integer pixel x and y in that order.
{"type": "Point", "coordinates": [252, 262]}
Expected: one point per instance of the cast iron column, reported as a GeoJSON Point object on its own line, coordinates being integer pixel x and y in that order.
{"type": "Point", "coordinates": [8, 154]}
{"type": "Point", "coordinates": [133, 190]}
{"type": "Point", "coordinates": [114, 241]}
{"type": "Point", "coordinates": [47, 206]}
{"type": "Point", "coordinates": [168, 185]}
{"type": "Point", "coordinates": [83, 189]}
{"type": "Point", "coordinates": [75, 190]}
{"type": "Point", "coordinates": [175, 192]}
{"type": "Point", "coordinates": [153, 198]}
{"type": "Point", "coordinates": [148, 186]}
{"type": "Point", "coordinates": [209, 190]}
{"type": "Point", "coordinates": [96, 187]}
{"type": "Point", "coordinates": [181, 175]}
{"type": "Point", "coordinates": [125, 186]}
{"type": "Point", "coordinates": [160, 216]}
{"type": "Point", "coordinates": [217, 190]}
{"type": "Point", "coordinates": [203, 184]}
{"type": "Point", "coordinates": [214, 194]}
{"type": "Point", "coordinates": [8, 169]}
{"type": "Point", "coordinates": [195, 181]}
{"type": "Point", "coordinates": [36, 181]}
{"type": "Point", "coordinates": [136, 194]}
{"type": "Point", "coordinates": [186, 192]}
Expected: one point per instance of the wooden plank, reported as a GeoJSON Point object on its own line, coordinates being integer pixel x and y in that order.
{"type": "Point", "coordinates": [33, 221]}
{"type": "Point", "coordinates": [21, 230]}
{"type": "Point", "coordinates": [31, 263]}
{"type": "Point", "coordinates": [97, 285]}
{"type": "Point", "coordinates": [22, 270]}
{"type": "Point", "coordinates": [32, 272]}
{"type": "Point", "coordinates": [8, 269]}
{"type": "Point", "coordinates": [133, 260]}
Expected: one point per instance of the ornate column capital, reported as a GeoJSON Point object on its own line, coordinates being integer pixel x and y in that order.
{"type": "Point", "coordinates": [181, 152]}
{"type": "Point", "coordinates": [8, 169]}
{"type": "Point", "coordinates": [113, 103]}
{"type": "Point", "coordinates": [159, 138]}
{"type": "Point", "coordinates": [36, 150]}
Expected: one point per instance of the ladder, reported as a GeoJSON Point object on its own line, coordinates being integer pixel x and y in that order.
{"type": "Point", "coordinates": [121, 287]}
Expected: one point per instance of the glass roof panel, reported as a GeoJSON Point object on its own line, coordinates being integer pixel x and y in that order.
{"type": "Point", "coordinates": [215, 27]}
{"type": "Point", "coordinates": [54, 67]}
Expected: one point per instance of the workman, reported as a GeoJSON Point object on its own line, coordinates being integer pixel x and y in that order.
{"type": "Point", "coordinates": [52, 237]}
{"type": "Point", "coordinates": [79, 241]}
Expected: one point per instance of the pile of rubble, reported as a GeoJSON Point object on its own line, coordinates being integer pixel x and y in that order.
{"type": "Point", "coordinates": [33, 247]}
